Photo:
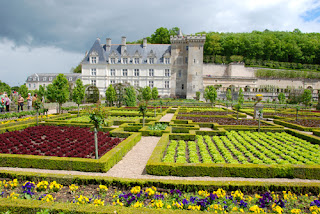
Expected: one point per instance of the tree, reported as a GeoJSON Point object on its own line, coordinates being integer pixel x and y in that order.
{"type": "Point", "coordinates": [41, 93]}
{"type": "Point", "coordinates": [78, 93]}
{"type": "Point", "coordinates": [37, 105]}
{"type": "Point", "coordinates": [78, 69]}
{"type": "Point", "coordinates": [139, 91]}
{"type": "Point", "coordinates": [110, 95]}
{"type": "Point", "coordinates": [97, 116]}
{"type": "Point", "coordinates": [61, 90]}
{"type": "Point", "coordinates": [120, 93]}
{"type": "Point", "coordinates": [318, 105]}
{"type": "Point", "coordinates": [306, 97]}
{"type": "Point", "coordinates": [154, 93]}
{"type": "Point", "coordinates": [211, 94]}
{"type": "Point", "coordinates": [228, 96]}
{"type": "Point", "coordinates": [161, 104]}
{"type": "Point", "coordinates": [281, 98]}
{"type": "Point", "coordinates": [240, 97]}
{"type": "Point", "coordinates": [50, 93]}
{"type": "Point", "coordinates": [161, 36]}
{"type": "Point", "coordinates": [4, 87]}
{"type": "Point", "coordinates": [237, 107]}
{"type": "Point", "coordinates": [143, 111]}
{"type": "Point", "coordinates": [146, 94]}
{"type": "Point", "coordinates": [23, 90]}
{"type": "Point", "coordinates": [130, 98]}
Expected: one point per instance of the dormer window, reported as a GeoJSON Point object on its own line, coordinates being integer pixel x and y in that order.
{"type": "Point", "coordinates": [44, 79]}
{"type": "Point", "coordinates": [125, 60]}
{"type": "Point", "coordinates": [94, 60]}
{"type": "Point", "coordinates": [70, 78]}
{"type": "Point", "coordinates": [50, 78]}
{"type": "Point", "coordinates": [112, 61]}
{"type": "Point", "coordinates": [136, 61]}
{"type": "Point", "coordinates": [151, 60]}
{"type": "Point", "coordinates": [34, 78]}
{"type": "Point", "coordinates": [167, 60]}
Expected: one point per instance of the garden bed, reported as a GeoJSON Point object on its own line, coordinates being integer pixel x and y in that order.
{"type": "Point", "coordinates": [75, 198]}
{"type": "Point", "coordinates": [306, 122]}
{"type": "Point", "coordinates": [56, 141]}
{"type": "Point", "coordinates": [222, 121]}
{"type": "Point", "coordinates": [238, 154]}
{"type": "Point", "coordinates": [208, 113]}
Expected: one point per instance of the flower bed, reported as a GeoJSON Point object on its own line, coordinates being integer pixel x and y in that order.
{"type": "Point", "coordinates": [207, 113]}
{"type": "Point", "coordinates": [244, 148]}
{"type": "Point", "coordinates": [153, 199]}
{"type": "Point", "coordinates": [222, 121]}
{"type": "Point", "coordinates": [56, 141]}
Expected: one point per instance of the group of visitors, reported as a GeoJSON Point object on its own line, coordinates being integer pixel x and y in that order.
{"type": "Point", "coordinates": [5, 102]}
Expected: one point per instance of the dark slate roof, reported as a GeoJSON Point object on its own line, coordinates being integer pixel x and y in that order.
{"type": "Point", "coordinates": [74, 76]}
{"type": "Point", "coordinates": [158, 49]}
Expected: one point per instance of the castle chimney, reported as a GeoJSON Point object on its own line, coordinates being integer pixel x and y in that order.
{"type": "Point", "coordinates": [144, 42]}
{"type": "Point", "coordinates": [123, 44]}
{"type": "Point", "coordinates": [108, 44]}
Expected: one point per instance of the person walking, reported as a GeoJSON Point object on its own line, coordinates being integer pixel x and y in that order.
{"type": "Point", "coordinates": [20, 102]}
{"type": "Point", "coordinates": [8, 102]}
{"type": "Point", "coordinates": [29, 101]}
{"type": "Point", "coordinates": [2, 102]}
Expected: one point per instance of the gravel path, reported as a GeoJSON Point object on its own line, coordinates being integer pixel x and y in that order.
{"type": "Point", "coordinates": [134, 163]}
{"type": "Point", "coordinates": [166, 118]}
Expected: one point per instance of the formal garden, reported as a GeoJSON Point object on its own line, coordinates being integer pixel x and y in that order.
{"type": "Point", "coordinates": [219, 156]}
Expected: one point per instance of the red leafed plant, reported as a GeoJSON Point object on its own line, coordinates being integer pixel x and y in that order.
{"type": "Point", "coordinates": [56, 141]}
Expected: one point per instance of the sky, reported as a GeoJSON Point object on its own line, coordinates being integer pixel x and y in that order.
{"type": "Point", "coordinates": [52, 36]}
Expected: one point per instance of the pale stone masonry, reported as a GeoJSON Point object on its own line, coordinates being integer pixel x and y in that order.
{"type": "Point", "coordinates": [175, 69]}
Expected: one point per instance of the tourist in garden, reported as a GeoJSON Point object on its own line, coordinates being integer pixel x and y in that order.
{"type": "Point", "coordinates": [20, 102]}
{"type": "Point", "coordinates": [2, 102]}
{"type": "Point", "coordinates": [34, 99]}
{"type": "Point", "coordinates": [8, 102]}
{"type": "Point", "coordinates": [29, 100]}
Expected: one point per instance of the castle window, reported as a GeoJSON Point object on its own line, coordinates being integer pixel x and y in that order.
{"type": "Point", "coordinates": [112, 72]}
{"type": "Point", "coordinates": [112, 60]}
{"type": "Point", "coordinates": [151, 72]}
{"type": "Point", "coordinates": [34, 85]}
{"type": "Point", "coordinates": [136, 60]}
{"type": "Point", "coordinates": [93, 82]}
{"type": "Point", "coordinates": [44, 79]}
{"type": "Point", "coordinates": [187, 48]}
{"type": "Point", "coordinates": [194, 61]}
{"type": "Point", "coordinates": [50, 78]}
{"type": "Point", "coordinates": [136, 83]}
{"type": "Point", "coordinates": [151, 60]}
{"type": "Point", "coordinates": [151, 84]}
{"type": "Point", "coordinates": [166, 84]}
{"type": "Point", "coordinates": [112, 82]}
{"type": "Point", "coordinates": [167, 60]}
{"type": "Point", "coordinates": [29, 85]}
{"type": "Point", "coordinates": [186, 59]}
{"type": "Point", "coordinates": [70, 78]}
{"type": "Point", "coordinates": [182, 86]}
{"type": "Point", "coordinates": [180, 73]}
{"type": "Point", "coordinates": [125, 60]}
{"type": "Point", "coordinates": [167, 72]}
{"type": "Point", "coordinates": [136, 72]}
{"type": "Point", "coordinates": [93, 60]}
{"type": "Point", "coordinates": [125, 72]}
{"type": "Point", "coordinates": [93, 72]}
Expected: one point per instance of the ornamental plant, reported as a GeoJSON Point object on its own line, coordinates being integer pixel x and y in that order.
{"type": "Point", "coordinates": [78, 93]}
{"type": "Point", "coordinates": [143, 111]}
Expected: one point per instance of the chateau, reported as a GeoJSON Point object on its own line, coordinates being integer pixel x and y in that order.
{"type": "Point", "coordinates": [176, 69]}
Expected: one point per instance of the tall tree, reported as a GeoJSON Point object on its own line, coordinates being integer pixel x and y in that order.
{"type": "Point", "coordinates": [240, 97]}
{"type": "Point", "coordinates": [154, 93]}
{"type": "Point", "coordinates": [78, 93]}
{"type": "Point", "coordinates": [146, 94]}
{"type": "Point", "coordinates": [23, 90]}
{"type": "Point", "coordinates": [41, 93]}
{"type": "Point", "coordinates": [120, 92]}
{"type": "Point", "coordinates": [161, 36]}
{"type": "Point", "coordinates": [4, 87]}
{"type": "Point", "coordinates": [50, 93]}
{"type": "Point", "coordinates": [130, 98]}
{"type": "Point", "coordinates": [228, 96]}
{"type": "Point", "coordinates": [78, 69]}
{"type": "Point", "coordinates": [61, 90]}
{"type": "Point", "coordinates": [110, 95]}
{"type": "Point", "coordinates": [306, 97]}
{"type": "Point", "coordinates": [211, 94]}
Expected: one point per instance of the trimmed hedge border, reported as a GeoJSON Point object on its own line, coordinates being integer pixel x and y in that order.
{"type": "Point", "coordinates": [287, 123]}
{"type": "Point", "coordinates": [79, 164]}
{"type": "Point", "coordinates": [156, 167]}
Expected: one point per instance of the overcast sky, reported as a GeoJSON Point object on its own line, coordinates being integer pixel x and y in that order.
{"type": "Point", "coordinates": [51, 36]}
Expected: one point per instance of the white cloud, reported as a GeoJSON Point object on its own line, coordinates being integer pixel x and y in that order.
{"type": "Point", "coordinates": [17, 63]}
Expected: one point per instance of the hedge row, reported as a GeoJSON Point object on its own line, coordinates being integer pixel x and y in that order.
{"type": "Point", "coordinates": [316, 132]}
{"type": "Point", "coordinates": [155, 165]}
{"type": "Point", "coordinates": [79, 164]}
{"type": "Point", "coordinates": [293, 126]}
